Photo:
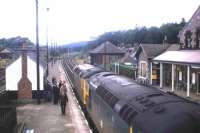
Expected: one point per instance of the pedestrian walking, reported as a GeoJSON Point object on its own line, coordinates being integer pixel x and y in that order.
{"type": "Point", "coordinates": [49, 91]}
{"type": "Point", "coordinates": [63, 97]}
{"type": "Point", "coordinates": [55, 91]}
{"type": "Point", "coordinates": [60, 84]}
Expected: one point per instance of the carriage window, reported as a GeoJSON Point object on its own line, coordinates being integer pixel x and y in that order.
{"type": "Point", "coordinates": [113, 101]}
{"type": "Point", "coordinates": [108, 97]}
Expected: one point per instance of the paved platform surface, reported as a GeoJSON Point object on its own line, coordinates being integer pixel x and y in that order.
{"type": "Point", "coordinates": [47, 118]}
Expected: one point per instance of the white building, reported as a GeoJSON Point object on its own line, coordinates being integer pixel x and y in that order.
{"type": "Point", "coordinates": [14, 74]}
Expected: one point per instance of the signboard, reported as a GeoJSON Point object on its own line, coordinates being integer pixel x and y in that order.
{"type": "Point", "coordinates": [180, 76]}
{"type": "Point", "coordinates": [193, 78]}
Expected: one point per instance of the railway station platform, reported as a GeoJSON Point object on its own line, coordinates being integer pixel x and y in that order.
{"type": "Point", "coordinates": [47, 117]}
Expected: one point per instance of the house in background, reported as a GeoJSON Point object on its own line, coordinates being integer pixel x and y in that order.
{"type": "Point", "coordinates": [148, 72]}
{"type": "Point", "coordinates": [127, 59]}
{"type": "Point", "coordinates": [128, 65]}
{"type": "Point", "coordinates": [184, 65]}
{"type": "Point", "coordinates": [6, 53]}
{"type": "Point", "coordinates": [105, 54]}
{"type": "Point", "coordinates": [190, 34]}
{"type": "Point", "coordinates": [21, 79]}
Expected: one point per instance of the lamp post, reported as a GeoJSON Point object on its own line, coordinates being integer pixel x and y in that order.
{"type": "Point", "coordinates": [47, 44]}
{"type": "Point", "coordinates": [37, 53]}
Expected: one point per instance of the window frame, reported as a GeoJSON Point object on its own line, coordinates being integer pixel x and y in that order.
{"type": "Point", "coordinates": [143, 74]}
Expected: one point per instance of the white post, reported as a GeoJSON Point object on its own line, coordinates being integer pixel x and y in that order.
{"type": "Point", "coordinates": [172, 77]}
{"type": "Point", "coordinates": [151, 73]}
{"type": "Point", "coordinates": [115, 68]}
{"type": "Point", "coordinates": [118, 68]}
{"type": "Point", "coordinates": [161, 75]}
{"type": "Point", "coordinates": [188, 81]}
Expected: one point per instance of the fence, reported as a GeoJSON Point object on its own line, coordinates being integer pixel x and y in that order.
{"type": "Point", "coordinates": [8, 119]}
{"type": "Point", "coordinates": [2, 80]}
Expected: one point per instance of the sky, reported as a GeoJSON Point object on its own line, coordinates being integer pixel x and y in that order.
{"type": "Point", "coordinates": [78, 20]}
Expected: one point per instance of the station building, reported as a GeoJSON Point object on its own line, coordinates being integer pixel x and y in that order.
{"type": "Point", "coordinates": [105, 54]}
{"type": "Point", "coordinates": [180, 70]}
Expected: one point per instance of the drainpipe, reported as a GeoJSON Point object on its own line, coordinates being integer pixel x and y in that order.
{"type": "Point", "coordinates": [161, 75]}
{"type": "Point", "coordinates": [151, 73]}
{"type": "Point", "coordinates": [172, 77]}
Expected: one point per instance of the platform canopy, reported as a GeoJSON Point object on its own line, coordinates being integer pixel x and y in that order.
{"type": "Point", "coordinates": [188, 57]}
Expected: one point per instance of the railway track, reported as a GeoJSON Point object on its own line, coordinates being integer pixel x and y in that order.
{"type": "Point", "coordinates": [68, 65]}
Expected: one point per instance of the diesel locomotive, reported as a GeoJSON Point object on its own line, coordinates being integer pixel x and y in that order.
{"type": "Point", "coordinates": [117, 104]}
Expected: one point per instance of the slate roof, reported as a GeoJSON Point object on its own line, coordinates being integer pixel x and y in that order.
{"type": "Point", "coordinates": [7, 51]}
{"type": "Point", "coordinates": [173, 47]}
{"type": "Point", "coordinates": [126, 58]}
{"type": "Point", "coordinates": [107, 48]}
{"type": "Point", "coordinates": [180, 57]}
{"type": "Point", "coordinates": [153, 50]}
{"type": "Point", "coordinates": [129, 55]}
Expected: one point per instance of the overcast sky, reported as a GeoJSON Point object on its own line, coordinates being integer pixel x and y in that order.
{"type": "Point", "coordinates": [77, 20]}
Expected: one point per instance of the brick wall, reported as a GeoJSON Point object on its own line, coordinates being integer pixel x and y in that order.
{"type": "Point", "coordinates": [24, 85]}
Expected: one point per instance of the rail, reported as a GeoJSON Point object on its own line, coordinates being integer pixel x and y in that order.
{"type": "Point", "coordinates": [68, 65]}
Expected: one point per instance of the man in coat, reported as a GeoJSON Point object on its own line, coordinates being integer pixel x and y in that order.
{"type": "Point", "coordinates": [63, 97]}
{"type": "Point", "coordinates": [55, 91]}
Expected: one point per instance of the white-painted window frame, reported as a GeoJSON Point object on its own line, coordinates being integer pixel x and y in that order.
{"type": "Point", "coordinates": [141, 70]}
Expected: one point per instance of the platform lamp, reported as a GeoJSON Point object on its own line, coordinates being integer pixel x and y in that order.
{"type": "Point", "coordinates": [47, 9]}
{"type": "Point", "coordinates": [37, 52]}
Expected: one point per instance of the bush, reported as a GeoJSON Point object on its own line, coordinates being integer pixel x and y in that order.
{"type": "Point", "coordinates": [125, 70]}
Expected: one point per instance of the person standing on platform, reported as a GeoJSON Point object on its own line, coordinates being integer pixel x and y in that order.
{"type": "Point", "coordinates": [63, 97]}
{"type": "Point", "coordinates": [60, 84]}
{"type": "Point", "coordinates": [49, 91]}
{"type": "Point", "coordinates": [55, 91]}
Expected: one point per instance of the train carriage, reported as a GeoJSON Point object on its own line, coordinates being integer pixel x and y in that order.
{"type": "Point", "coordinates": [130, 107]}
{"type": "Point", "coordinates": [103, 105]}
{"type": "Point", "coordinates": [82, 74]}
{"type": "Point", "coordinates": [117, 104]}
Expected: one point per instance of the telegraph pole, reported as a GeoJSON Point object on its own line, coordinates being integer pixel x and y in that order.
{"type": "Point", "coordinates": [37, 53]}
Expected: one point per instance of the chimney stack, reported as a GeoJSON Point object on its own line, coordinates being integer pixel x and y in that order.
{"type": "Point", "coordinates": [24, 85]}
{"type": "Point", "coordinates": [164, 41]}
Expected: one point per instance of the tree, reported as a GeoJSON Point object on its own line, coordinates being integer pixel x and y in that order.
{"type": "Point", "coordinates": [14, 42]}
{"type": "Point", "coordinates": [143, 35]}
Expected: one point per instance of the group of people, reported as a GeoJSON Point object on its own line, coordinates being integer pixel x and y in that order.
{"type": "Point", "coordinates": [60, 94]}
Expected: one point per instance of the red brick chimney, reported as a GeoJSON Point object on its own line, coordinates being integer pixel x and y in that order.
{"type": "Point", "coordinates": [24, 85]}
